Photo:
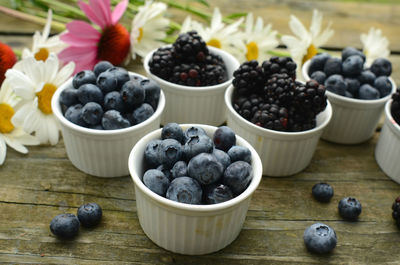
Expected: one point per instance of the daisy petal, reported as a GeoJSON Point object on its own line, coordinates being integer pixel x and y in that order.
{"type": "Point", "coordinates": [24, 138]}
{"type": "Point", "coordinates": [14, 144]}
{"type": "Point", "coordinates": [83, 30]}
{"type": "Point", "coordinates": [316, 23]}
{"type": "Point", "coordinates": [21, 84]}
{"type": "Point", "coordinates": [50, 68]}
{"type": "Point", "coordinates": [64, 74]}
{"type": "Point", "coordinates": [91, 14]}
{"type": "Point", "coordinates": [297, 27]}
{"type": "Point", "coordinates": [119, 11]}
{"type": "Point", "coordinates": [19, 117]}
{"type": "Point", "coordinates": [52, 130]}
{"type": "Point", "coordinates": [46, 29]}
{"type": "Point", "coordinates": [3, 150]}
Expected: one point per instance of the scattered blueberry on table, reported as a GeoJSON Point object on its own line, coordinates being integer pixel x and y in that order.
{"type": "Point", "coordinates": [320, 238]}
{"type": "Point", "coordinates": [65, 226]}
{"type": "Point", "coordinates": [322, 192]}
{"type": "Point", "coordinates": [90, 214]}
{"type": "Point", "coordinates": [349, 208]}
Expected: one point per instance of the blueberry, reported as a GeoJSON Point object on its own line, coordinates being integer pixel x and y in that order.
{"type": "Point", "coordinates": [179, 170]}
{"type": "Point", "coordinates": [132, 95]}
{"type": "Point", "coordinates": [350, 51]}
{"type": "Point", "coordinates": [156, 181]}
{"type": "Point", "coordinates": [152, 92]}
{"type": "Point", "coordinates": [74, 115]}
{"type": "Point", "coordinates": [120, 75]}
{"type": "Point", "coordinates": [368, 92]}
{"type": "Point", "coordinates": [151, 153]}
{"type": "Point", "coordinates": [333, 66]}
{"type": "Point", "coordinates": [222, 157]}
{"type": "Point", "coordinates": [92, 113]}
{"type": "Point", "coordinates": [90, 214]}
{"type": "Point", "coordinates": [170, 151]}
{"type": "Point", "coordinates": [366, 77]}
{"type": "Point", "coordinates": [185, 190]}
{"type": "Point", "coordinates": [318, 62]}
{"type": "Point", "coordinates": [384, 85]}
{"type": "Point", "coordinates": [141, 114]}
{"type": "Point", "coordinates": [347, 94]}
{"type": "Point", "coordinates": [135, 78]}
{"type": "Point", "coordinates": [322, 192]}
{"type": "Point", "coordinates": [113, 120]}
{"type": "Point", "coordinates": [65, 226]}
{"type": "Point", "coordinates": [90, 93]}
{"type": "Point", "coordinates": [237, 176]}
{"type": "Point", "coordinates": [205, 168]}
{"type": "Point", "coordinates": [239, 153]}
{"type": "Point", "coordinates": [318, 76]}
{"type": "Point", "coordinates": [166, 170]}
{"type": "Point", "coordinates": [224, 138]}
{"type": "Point", "coordinates": [69, 97]}
{"type": "Point", "coordinates": [196, 145]}
{"type": "Point", "coordinates": [381, 66]}
{"type": "Point", "coordinates": [336, 84]}
{"type": "Point", "coordinates": [107, 82]}
{"type": "Point", "coordinates": [113, 100]}
{"type": "Point", "coordinates": [349, 208]}
{"type": "Point", "coordinates": [353, 85]}
{"type": "Point", "coordinates": [83, 77]}
{"type": "Point", "coordinates": [173, 131]}
{"type": "Point", "coordinates": [217, 193]}
{"type": "Point", "coordinates": [101, 67]}
{"type": "Point", "coordinates": [320, 238]}
{"type": "Point", "coordinates": [352, 66]}
{"type": "Point", "coordinates": [193, 131]}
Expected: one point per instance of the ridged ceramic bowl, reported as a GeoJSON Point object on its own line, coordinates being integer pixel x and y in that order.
{"type": "Point", "coordinates": [282, 153]}
{"type": "Point", "coordinates": [353, 120]}
{"type": "Point", "coordinates": [186, 228]}
{"type": "Point", "coordinates": [203, 105]}
{"type": "Point", "coordinates": [102, 153]}
{"type": "Point", "coordinates": [387, 151]}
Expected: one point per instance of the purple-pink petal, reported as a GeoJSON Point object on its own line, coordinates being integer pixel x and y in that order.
{"type": "Point", "coordinates": [92, 14]}
{"type": "Point", "coordinates": [80, 66]}
{"type": "Point", "coordinates": [83, 30]}
{"type": "Point", "coordinates": [79, 41]}
{"type": "Point", "coordinates": [119, 11]}
{"type": "Point", "coordinates": [102, 9]}
{"type": "Point", "coordinates": [75, 54]}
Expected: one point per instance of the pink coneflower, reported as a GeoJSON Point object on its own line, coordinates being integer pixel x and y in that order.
{"type": "Point", "coordinates": [7, 59]}
{"type": "Point", "coordinates": [87, 45]}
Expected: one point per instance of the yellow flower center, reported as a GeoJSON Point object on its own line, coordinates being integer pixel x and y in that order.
{"type": "Point", "coordinates": [215, 43]}
{"type": "Point", "coordinates": [311, 52]}
{"type": "Point", "coordinates": [6, 112]}
{"type": "Point", "coordinates": [140, 34]}
{"type": "Point", "coordinates": [252, 51]}
{"type": "Point", "coordinates": [42, 54]}
{"type": "Point", "coordinates": [45, 96]}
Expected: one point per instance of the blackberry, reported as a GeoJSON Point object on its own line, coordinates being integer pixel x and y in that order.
{"type": "Point", "coordinates": [190, 47]}
{"type": "Point", "coordinates": [280, 65]}
{"type": "Point", "coordinates": [395, 107]}
{"type": "Point", "coordinates": [271, 117]}
{"type": "Point", "coordinates": [300, 120]}
{"type": "Point", "coordinates": [213, 75]}
{"type": "Point", "coordinates": [162, 63]}
{"type": "Point", "coordinates": [310, 97]}
{"type": "Point", "coordinates": [396, 211]}
{"type": "Point", "coordinates": [247, 106]}
{"type": "Point", "coordinates": [249, 78]}
{"type": "Point", "coordinates": [280, 89]}
{"type": "Point", "coordinates": [187, 75]}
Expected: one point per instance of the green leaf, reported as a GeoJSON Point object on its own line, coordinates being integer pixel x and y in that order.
{"type": "Point", "coordinates": [203, 2]}
{"type": "Point", "coordinates": [236, 15]}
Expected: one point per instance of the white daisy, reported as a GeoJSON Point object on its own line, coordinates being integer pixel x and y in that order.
{"type": "Point", "coordinates": [35, 83]}
{"type": "Point", "coordinates": [10, 135]}
{"type": "Point", "coordinates": [148, 28]}
{"type": "Point", "coordinates": [42, 44]}
{"type": "Point", "coordinates": [304, 45]}
{"type": "Point", "coordinates": [375, 45]}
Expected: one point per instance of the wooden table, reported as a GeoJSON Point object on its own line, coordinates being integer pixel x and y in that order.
{"type": "Point", "coordinates": [36, 187]}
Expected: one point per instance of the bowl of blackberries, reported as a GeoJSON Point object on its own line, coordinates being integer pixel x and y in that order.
{"type": "Point", "coordinates": [193, 186]}
{"type": "Point", "coordinates": [387, 151]}
{"type": "Point", "coordinates": [280, 117]}
{"type": "Point", "coordinates": [193, 77]}
{"type": "Point", "coordinates": [357, 92]}
{"type": "Point", "coordinates": [102, 113]}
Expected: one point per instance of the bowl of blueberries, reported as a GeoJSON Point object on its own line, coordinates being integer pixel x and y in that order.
{"type": "Point", "coordinates": [357, 93]}
{"type": "Point", "coordinates": [102, 113]}
{"type": "Point", "coordinates": [279, 116]}
{"type": "Point", "coordinates": [387, 151]}
{"type": "Point", "coordinates": [193, 77]}
{"type": "Point", "coordinates": [193, 186]}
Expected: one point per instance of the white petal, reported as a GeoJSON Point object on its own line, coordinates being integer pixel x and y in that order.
{"type": "Point", "coordinates": [50, 68]}
{"type": "Point", "coordinates": [3, 150]}
{"type": "Point", "coordinates": [52, 130]}
{"type": "Point", "coordinates": [20, 115]}
{"type": "Point", "coordinates": [297, 27]}
{"type": "Point", "coordinates": [316, 23]}
{"type": "Point", "coordinates": [324, 37]}
{"type": "Point", "coordinates": [22, 85]}
{"type": "Point", "coordinates": [216, 18]}
{"type": "Point", "coordinates": [14, 144]}
{"type": "Point", "coordinates": [64, 74]}
{"type": "Point", "coordinates": [46, 29]}
{"type": "Point", "coordinates": [249, 23]}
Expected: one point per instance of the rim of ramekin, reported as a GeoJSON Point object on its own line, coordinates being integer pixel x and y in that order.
{"type": "Point", "coordinates": [228, 103]}
{"type": "Point", "coordinates": [353, 101]}
{"type": "Point", "coordinates": [163, 82]}
{"type": "Point", "coordinates": [256, 166]}
{"type": "Point", "coordinates": [389, 116]}
{"type": "Point", "coordinates": [56, 107]}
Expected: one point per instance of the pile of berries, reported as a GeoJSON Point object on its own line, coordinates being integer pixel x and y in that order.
{"type": "Point", "coordinates": [395, 107]}
{"type": "Point", "coordinates": [268, 96]}
{"type": "Point", "coordinates": [190, 167]}
{"type": "Point", "coordinates": [347, 77]}
{"type": "Point", "coordinates": [188, 62]}
{"type": "Point", "coordinates": [108, 98]}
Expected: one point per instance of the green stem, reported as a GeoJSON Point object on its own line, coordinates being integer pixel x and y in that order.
{"type": "Point", "coordinates": [175, 26]}
{"type": "Point", "coordinates": [188, 9]}
{"type": "Point", "coordinates": [43, 14]}
{"type": "Point", "coordinates": [18, 53]}
{"type": "Point", "coordinates": [64, 7]}
{"type": "Point", "coordinates": [279, 53]}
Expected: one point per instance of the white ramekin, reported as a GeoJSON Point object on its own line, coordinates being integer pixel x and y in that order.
{"type": "Point", "coordinates": [353, 120]}
{"type": "Point", "coordinates": [203, 105]}
{"type": "Point", "coordinates": [186, 228]}
{"type": "Point", "coordinates": [102, 153]}
{"type": "Point", "coordinates": [282, 153]}
{"type": "Point", "coordinates": [387, 151]}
